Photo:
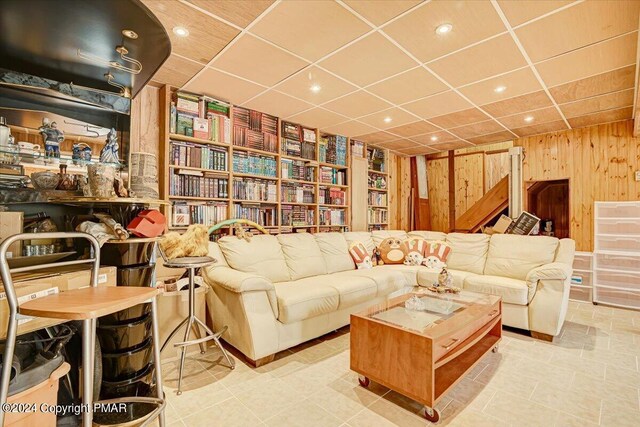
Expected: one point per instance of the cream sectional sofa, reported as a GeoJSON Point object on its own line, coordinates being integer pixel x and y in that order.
{"type": "Point", "coordinates": [275, 292]}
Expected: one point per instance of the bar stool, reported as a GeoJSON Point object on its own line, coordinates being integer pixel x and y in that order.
{"type": "Point", "coordinates": [192, 321]}
{"type": "Point", "coordinates": [86, 304]}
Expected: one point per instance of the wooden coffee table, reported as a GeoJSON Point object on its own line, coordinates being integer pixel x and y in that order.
{"type": "Point", "coordinates": [422, 354]}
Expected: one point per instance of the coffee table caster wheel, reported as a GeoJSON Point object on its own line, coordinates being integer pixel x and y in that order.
{"type": "Point", "coordinates": [364, 381]}
{"type": "Point", "coordinates": [431, 414]}
{"type": "Point", "coordinates": [179, 392]}
{"type": "Point", "coordinates": [494, 349]}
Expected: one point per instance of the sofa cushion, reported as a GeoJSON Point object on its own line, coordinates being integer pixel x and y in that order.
{"type": "Point", "coordinates": [379, 235]}
{"type": "Point", "coordinates": [512, 291]}
{"type": "Point", "coordinates": [302, 254]}
{"type": "Point", "coordinates": [360, 256]}
{"type": "Point", "coordinates": [428, 235]}
{"type": "Point", "coordinates": [305, 298]}
{"type": "Point", "coordinates": [262, 255]}
{"type": "Point", "coordinates": [468, 251]}
{"type": "Point", "coordinates": [352, 289]}
{"type": "Point", "coordinates": [410, 272]}
{"type": "Point", "coordinates": [216, 253]}
{"type": "Point", "coordinates": [361, 236]}
{"type": "Point", "coordinates": [514, 256]}
{"type": "Point", "coordinates": [429, 276]}
{"type": "Point", "coordinates": [392, 250]}
{"type": "Point", "coordinates": [386, 280]}
{"type": "Point", "coordinates": [335, 251]}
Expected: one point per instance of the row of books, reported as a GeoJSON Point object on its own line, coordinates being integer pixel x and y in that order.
{"type": "Point", "coordinates": [254, 164]}
{"type": "Point", "coordinates": [297, 193]}
{"type": "Point", "coordinates": [296, 169]}
{"type": "Point", "coordinates": [332, 196]}
{"type": "Point", "coordinates": [200, 117]}
{"type": "Point", "coordinates": [305, 150]}
{"type": "Point", "coordinates": [377, 199]}
{"type": "Point", "coordinates": [184, 214]}
{"type": "Point", "coordinates": [333, 149]}
{"type": "Point", "coordinates": [263, 215]}
{"type": "Point", "coordinates": [330, 175]}
{"type": "Point", "coordinates": [357, 149]}
{"type": "Point", "coordinates": [331, 216]}
{"type": "Point", "coordinates": [377, 181]}
{"type": "Point", "coordinates": [198, 186]}
{"type": "Point", "coordinates": [377, 216]}
{"type": "Point", "coordinates": [255, 189]}
{"type": "Point", "coordinates": [243, 137]}
{"type": "Point", "coordinates": [376, 159]}
{"type": "Point", "coordinates": [298, 133]}
{"type": "Point", "coordinates": [297, 216]}
{"type": "Point", "coordinates": [198, 156]}
{"type": "Point", "coordinates": [255, 120]}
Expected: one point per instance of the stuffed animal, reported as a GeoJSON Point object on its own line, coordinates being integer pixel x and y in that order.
{"type": "Point", "coordinates": [436, 255]}
{"type": "Point", "coordinates": [194, 242]}
{"type": "Point", "coordinates": [392, 251]}
{"type": "Point", "coordinates": [241, 233]}
{"type": "Point", "coordinates": [360, 256]}
{"type": "Point", "coordinates": [415, 251]}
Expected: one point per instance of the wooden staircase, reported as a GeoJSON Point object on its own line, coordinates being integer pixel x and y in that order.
{"type": "Point", "coordinates": [486, 209]}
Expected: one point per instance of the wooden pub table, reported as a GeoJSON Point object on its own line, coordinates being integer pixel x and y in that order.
{"type": "Point", "coordinates": [422, 354]}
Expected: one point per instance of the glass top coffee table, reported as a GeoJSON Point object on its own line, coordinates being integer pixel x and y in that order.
{"type": "Point", "coordinates": [423, 353]}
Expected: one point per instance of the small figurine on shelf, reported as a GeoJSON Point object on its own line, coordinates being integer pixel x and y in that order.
{"type": "Point", "coordinates": [81, 152]}
{"type": "Point", "coordinates": [109, 153]}
{"type": "Point", "coordinates": [52, 137]}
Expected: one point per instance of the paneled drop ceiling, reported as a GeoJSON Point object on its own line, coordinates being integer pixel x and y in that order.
{"type": "Point", "coordinates": [386, 76]}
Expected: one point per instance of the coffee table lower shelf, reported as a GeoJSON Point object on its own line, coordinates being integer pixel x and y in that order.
{"type": "Point", "coordinates": [401, 360]}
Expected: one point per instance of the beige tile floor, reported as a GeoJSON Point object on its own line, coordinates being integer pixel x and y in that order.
{"type": "Point", "coordinates": [588, 376]}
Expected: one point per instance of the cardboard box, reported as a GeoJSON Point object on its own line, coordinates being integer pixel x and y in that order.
{"type": "Point", "coordinates": [173, 308]}
{"type": "Point", "coordinates": [12, 223]}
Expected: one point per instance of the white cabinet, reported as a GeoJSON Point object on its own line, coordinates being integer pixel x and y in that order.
{"type": "Point", "coordinates": [616, 261]}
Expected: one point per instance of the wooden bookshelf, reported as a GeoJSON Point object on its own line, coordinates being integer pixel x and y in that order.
{"type": "Point", "coordinates": [377, 197]}
{"type": "Point", "coordinates": [167, 134]}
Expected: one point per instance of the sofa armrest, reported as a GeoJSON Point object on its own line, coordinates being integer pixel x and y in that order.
{"type": "Point", "coordinates": [554, 271]}
{"type": "Point", "coordinates": [237, 281]}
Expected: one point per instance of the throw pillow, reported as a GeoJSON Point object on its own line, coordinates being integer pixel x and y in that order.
{"type": "Point", "coordinates": [436, 255]}
{"type": "Point", "coordinates": [416, 248]}
{"type": "Point", "coordinates": [360, 256]}
{"type": "Point", "coordinates": [392, 251]}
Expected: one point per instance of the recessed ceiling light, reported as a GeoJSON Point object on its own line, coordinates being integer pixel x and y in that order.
{"type": "Point", "coordinates": [444, 29]}
{"type": "Point", "coordinates": [387, 119]}
{"type": "Point", "coordinates": [528, 119]}
{"type": "Point", "coordinates": [315, 88]}
{"type": "Point", "coordinates": [180, 31]}
{"type": "Point", "coordinates": [500, 89]}
{"type": "Point", "coordinates": [434, 138]}
{"type": "Point", "coordinates": [130, 34]}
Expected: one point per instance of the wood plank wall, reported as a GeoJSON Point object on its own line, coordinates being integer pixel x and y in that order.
{"type": "Point", "coordinates": [599, 161]}
{"type": "Point", "coordinates": [145, 119]}
{"type": "Point", "coordinates": [399, 192]}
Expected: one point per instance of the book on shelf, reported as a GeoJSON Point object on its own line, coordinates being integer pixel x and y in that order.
{"type": "Point", "coordinates": [329, 175]}
{"type": "Point", "coordinates": [198, 156]}
{"type": "Point", "coordinates": [252, 189]}
{"type": "Point", "coordinates": [297, 193]}
{"type": "Point", "coordinates": [253, 129]}
{"type": "Point", "coordinates": [377, 216]}
{"type": "Point", "coordinates": [192, 185]}
{"type": "Point", "coordinates": [254, 164]}
{"type": "Point", "coordinates": [333, 149]}
{"type": "Point", "coordinates": [297, 216]}
{"type": "Point", "coordinates": [262, 215]}
{"type": "Point", "coordinates": [376, 159]}
{"type": "Point", "coordinates": [200, 117]}
{"type": "Point", "coordinates": [377, 199]}
{"type": "Point", "coordinates": [183, 214]}
{"type": "Point", "coordinates": [332, 196]}
{"type": "Point", "coordinates": [332, 216]}
{"type": "Point", "coordinates": [357, 149]}
{"type": "Point", "coordinates": [298, 141]}
{"type": "Point", "coordinates": [296, 169]}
